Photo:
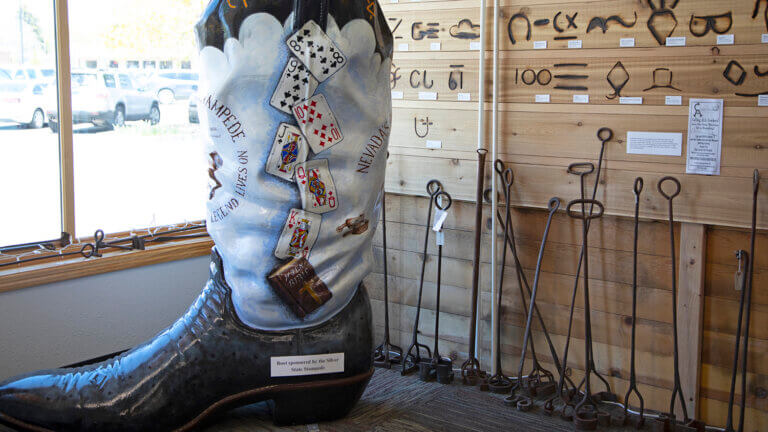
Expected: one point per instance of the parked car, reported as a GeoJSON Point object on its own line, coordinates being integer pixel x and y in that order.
{"type": "Point", "coordinates": [45, 76]}
{"type": "Point", "coordinates": [108, 99]}
{"type": "Point", "coordinates": [172, 85]}
{"type": "Point", "coordinates": [24, 102]}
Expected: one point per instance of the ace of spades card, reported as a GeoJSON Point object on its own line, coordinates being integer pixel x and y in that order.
{"type": "Point", "coordinates": [289, 149]}
{"type": "Point", "coordinates": [318, 193]}
{"type": "Point", "coordinates": [317, 123]}
{"type": "Point", "coordinates": [296, 84]}
{"type": "Point", "coordinates": [299, 234]}
{"type": "Point", "coordinates": [316, 50]}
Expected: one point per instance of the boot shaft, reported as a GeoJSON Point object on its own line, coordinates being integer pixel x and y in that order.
{"type": "Point", "coordinates": [295, 103]}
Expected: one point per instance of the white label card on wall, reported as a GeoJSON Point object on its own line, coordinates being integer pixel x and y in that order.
{"type": "Point", "coordinates": [440, 238]}
{"type": "Point", "coordinates": [542, 98]}
{"type": "Point", "coordinates": [574, 43]}
{"type": "Point", "coordinates": [655, 143]}
{"type": "Point", "coordinates": [762, 100]}
{"type": "Point", "coordinates": [584, 99]}
{"type": "Point", "coordinates": [397, 94]}
{"type": "Point", "coordinates": [440, 217]}
{"type": "Point", "coordinates": [673, 100]}
{"type": "Point", "coordinates": [676, 41]}
{"type": "Point", "coordinates": [474, 46]}
{"type": "Point", "coordinates": [402, 47]}
{"type": "Point", "coordinates": [726, 39]}
{"type": "Point", "coordinates": [434, 46]}
{"type": "Point", "coordinates": [434, 144]}
{"type": "Point", "coordinates": [705, 136]}
{"type": "Point", "coordinates": [306, 365]}
{"type": "Point", "coordinates": [764, 38]}
{"type": "Point", "coordinates": [393, 1]}
{"type": "Point", "coordinates": [627, 42]}
{"type": "Point", "coordinates": [427, 96]}
{"type": "Point", "coordinates": [631, 100]}
{"type": "Point", "coordinates": [539, 44]}
{"type": "Point", "coordinates": [463, 96]}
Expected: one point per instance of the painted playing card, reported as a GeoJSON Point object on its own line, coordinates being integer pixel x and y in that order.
{"type": "Point", "coordinates": [317, 123]}
{"type": "Point", "coordinates": [299, 234]}
{"type": "Point", "coordinates": [296, 84]}
{"type": "Point", "coordinates": [318, 193]}
{"type": "Point", "coordinates": [316, 51]}
{"type": "Point", "coordinates": [289, 149]}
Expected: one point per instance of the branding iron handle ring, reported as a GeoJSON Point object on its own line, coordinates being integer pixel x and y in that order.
{"type": "Point", "coordinates": [581, 168]}
{"type": "Point", "coordinates": [661, 187]}
{"type": "Point", "coordinates": [605, 134]}
{"type": "Point", "coordinates": [441, 203]}
{"type": "Point", "coordinates": [434, 187]}
{"type": "Point", "coordinates": [584, 215]}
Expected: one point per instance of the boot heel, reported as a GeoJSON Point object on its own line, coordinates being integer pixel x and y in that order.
{"type": "Point", "coordinates": [318, 401]}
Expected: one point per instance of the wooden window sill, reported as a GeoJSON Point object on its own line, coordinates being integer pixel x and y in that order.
{"type": "Point", "coordinates": [56, 271]}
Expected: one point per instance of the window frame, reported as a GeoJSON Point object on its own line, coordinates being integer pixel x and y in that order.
{"type": "Point", "coordinates": [37, 273]}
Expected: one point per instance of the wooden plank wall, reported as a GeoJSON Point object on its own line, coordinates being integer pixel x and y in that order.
{"type": "Point", "coordinates": [437, 51]}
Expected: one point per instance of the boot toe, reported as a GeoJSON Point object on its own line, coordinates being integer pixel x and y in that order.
{"type": "Point", "coordinates": [30, 402]}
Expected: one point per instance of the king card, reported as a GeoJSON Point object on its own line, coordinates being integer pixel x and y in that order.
{"type": "Point", "coordinates": [318, 193]}
{"type": "Point", "coordinates": [317, 123]}
{"type": "Point", "coordinates": [296, 84]}
{"type": "Point", "coordinates": [299, 234]}
{"type": "Point", "coordinates": [289, 149]}
{"type": "Point", "coordinates": [316, 51]}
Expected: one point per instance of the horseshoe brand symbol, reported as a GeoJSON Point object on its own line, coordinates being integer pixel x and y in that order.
{"type": "Point", "coordinates": [509, 27]}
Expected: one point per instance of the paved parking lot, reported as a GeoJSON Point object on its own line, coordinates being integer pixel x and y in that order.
{"type": "Point", "coordinates": [131, 177]}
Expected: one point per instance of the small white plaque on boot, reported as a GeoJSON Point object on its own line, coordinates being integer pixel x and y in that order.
{"type": "Point", "coordinates": [306, 365]}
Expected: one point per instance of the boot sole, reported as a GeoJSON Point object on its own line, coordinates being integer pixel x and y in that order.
{"type": "Point", "coordinates": [299, 403]}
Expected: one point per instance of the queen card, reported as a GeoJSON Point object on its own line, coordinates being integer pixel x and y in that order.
{"type": "Point", "coordinates": [299, 234]}
{"type": "Point", "coordinates": [289, 149]}
{"type": "Point", "coordinates": [318, 193]}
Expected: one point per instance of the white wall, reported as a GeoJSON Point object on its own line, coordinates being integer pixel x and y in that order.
{"type": "Point", "coordinates": [66, 322]}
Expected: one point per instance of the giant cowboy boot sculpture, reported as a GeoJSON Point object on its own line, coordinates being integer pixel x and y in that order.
{"type": "Point", "coordinates": [295, 101]}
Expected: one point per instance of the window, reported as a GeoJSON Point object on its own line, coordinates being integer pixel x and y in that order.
{"type": "Point", "coordinates": [121, 124]}
{"type": "Point", "coordinates": [30, 178]}
{"type": "Point", "coordinates": [135, 120]}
